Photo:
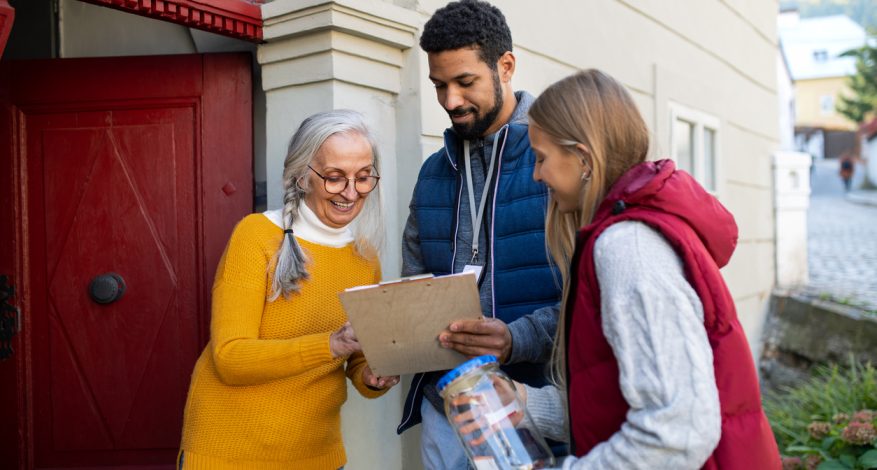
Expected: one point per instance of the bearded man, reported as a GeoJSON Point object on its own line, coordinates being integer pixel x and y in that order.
{"type": "Point", "coordinates": [476, 208]}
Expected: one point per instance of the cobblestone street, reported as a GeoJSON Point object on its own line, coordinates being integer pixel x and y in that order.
{"type": "Point", "coordinates": [842, 240]}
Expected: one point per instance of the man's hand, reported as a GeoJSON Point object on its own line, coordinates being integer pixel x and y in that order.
{"type": "Point", "coordinates": [478, 337]}
{"type": "Point", "coordinates": [369, 378]}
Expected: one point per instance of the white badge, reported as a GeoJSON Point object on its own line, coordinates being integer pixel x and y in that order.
{"type": "Point", "coordinates": [474, 268]}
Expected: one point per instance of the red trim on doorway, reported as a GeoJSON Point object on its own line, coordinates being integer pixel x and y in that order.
{"type": "Point", "coordinates": [240, 19]}
{"type": "Point", "coordinates": [7, 15]}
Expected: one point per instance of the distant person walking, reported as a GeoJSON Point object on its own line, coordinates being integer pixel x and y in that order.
{"type": "Point", "coordinates": [847, 168]}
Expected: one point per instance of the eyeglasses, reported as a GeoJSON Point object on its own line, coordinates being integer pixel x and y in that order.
{"type": "Point", "coordinates": [337, 184]}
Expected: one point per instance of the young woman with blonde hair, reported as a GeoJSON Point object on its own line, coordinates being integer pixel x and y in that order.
{"type": "Point", "coordinates": [655, 364]}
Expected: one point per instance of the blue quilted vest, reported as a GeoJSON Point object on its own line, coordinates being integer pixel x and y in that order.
{"type": "Point", "coordinates": [523, 279]}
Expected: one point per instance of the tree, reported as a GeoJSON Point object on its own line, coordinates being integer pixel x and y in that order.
{"type": "Point", "coordinates": [861, 104]}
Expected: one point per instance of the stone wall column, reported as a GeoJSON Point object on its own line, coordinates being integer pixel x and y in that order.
{"type": "Point", "coordinates": [791, 200]}
{"type": "Point", "coordinates": [321, 55]}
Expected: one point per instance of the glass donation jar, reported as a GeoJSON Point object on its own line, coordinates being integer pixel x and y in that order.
{"type": "Point", "coordinates": [490, 419]}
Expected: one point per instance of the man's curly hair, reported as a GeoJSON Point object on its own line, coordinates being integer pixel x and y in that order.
{"type": "Point", "coordinates": [468, 23]}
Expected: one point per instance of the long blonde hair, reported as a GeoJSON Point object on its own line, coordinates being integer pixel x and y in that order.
{"type": "Point", "coordinates": [593, 109]}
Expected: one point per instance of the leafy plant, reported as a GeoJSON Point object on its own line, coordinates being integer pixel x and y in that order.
{"type": "Point", "coordinates": [828, 422]}
{"type": "Point", "coordinates": [862, 103]}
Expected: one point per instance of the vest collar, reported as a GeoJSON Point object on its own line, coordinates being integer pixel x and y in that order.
{"type": "Point", "coordinates": [512, 141]}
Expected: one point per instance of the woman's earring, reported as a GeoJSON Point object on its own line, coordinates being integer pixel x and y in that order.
{"type": "Point", "coordinates": [586, 168]}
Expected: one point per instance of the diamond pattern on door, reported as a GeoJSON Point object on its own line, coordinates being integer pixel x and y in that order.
{"type": "Point", "coordinates": [111, 231]}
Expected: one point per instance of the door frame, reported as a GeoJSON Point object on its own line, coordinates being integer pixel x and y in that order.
{"type": "Point", "coordinates": [13, 371]}
{"type": "Point", "coordinates": [223, 195]}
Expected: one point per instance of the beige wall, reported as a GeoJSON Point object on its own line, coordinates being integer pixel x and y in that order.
{"type": "Point", "coordinates": [809, 95]}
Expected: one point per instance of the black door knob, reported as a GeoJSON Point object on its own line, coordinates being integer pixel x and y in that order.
{"type": "Point", "coordinates": [106, 288]}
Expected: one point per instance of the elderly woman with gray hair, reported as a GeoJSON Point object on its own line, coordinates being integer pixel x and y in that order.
{"type": "Point", "coordinates": [267, 390]}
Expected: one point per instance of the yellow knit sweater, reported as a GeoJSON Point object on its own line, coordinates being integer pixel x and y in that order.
{"type": "Point", "coordinates": [265, 392]}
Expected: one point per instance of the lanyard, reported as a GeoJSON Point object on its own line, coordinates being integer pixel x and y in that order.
{"type": "Point", "coordinates": [478, 216]}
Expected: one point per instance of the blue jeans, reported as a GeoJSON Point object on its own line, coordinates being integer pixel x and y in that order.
{"type": "Point", "coordinates": [440, 449]}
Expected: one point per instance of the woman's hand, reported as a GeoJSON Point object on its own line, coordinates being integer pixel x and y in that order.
{"type": "Point", "coordinates": [343, 342]}
{"type": "Point", "coordinates": [375, 381]}
{"type": "Point", "coordinates": [479, 422]}
{"type": "Point", "coordinates": [522, 392]}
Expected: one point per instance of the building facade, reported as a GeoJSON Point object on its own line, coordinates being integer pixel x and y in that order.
{"type": "Point", "coordinates": [812, 47]}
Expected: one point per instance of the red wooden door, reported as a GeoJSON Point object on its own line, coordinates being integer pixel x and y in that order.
{"type": "Point", "coordinates": [133, 167]}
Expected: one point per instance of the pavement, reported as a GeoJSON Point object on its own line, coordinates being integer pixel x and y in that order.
{"type": "Point", "coordinates": [863, 197]}
{"type": "Point", "coordinates": [842, 239]}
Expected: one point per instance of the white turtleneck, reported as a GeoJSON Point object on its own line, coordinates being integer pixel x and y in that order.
{"type": "Point", "coordinates": [309, 227]}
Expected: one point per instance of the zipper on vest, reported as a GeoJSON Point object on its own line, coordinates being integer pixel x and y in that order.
{"type": "Point", "coordinates": [490, 238]}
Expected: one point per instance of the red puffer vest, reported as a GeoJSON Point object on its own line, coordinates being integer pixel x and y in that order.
{"type": "Point", "coordinates": [704, 235]}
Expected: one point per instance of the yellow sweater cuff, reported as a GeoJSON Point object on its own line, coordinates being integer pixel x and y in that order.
{"type": "Point", "coordinates": [314, 349]}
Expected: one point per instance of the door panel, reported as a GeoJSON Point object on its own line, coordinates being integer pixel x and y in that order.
{"type": "Point", "coordinates": [119, 223]}
{"type": "Point", "coordinates": [116, 184]}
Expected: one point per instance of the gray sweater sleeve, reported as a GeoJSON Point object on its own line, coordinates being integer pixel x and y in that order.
{"type": "Point", "coordinates": [533, 336]}
{"type": "Point", "coordinates": [653, 321]}
{"type": "Point", "coordinates": [547, 408]}
{"type": "Point", "coordinates": [412, 258]}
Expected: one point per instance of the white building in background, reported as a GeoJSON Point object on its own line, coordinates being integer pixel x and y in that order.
{"type": "Point", "coordinates": [704, 76]}
{"type": "Point", "coordinates": [812, 49]}
{"type": "Point", "coordinates": [786, 100]}
{"type": "Point", "coordinates": [791, 187]}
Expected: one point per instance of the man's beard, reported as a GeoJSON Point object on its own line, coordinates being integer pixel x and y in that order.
{"type": "Point", "coordinates": [480, 124]}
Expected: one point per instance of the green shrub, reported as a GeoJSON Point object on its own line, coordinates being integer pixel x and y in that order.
{"type": "Point", "coordinates": [827, 422]}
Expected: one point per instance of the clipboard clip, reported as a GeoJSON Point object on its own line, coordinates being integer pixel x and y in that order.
{"type": "Point", "coordinates": [416, 277]}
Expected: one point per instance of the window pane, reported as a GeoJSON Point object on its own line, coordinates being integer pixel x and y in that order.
{"type": "Point", "coordinates": [683, 135]}
{"type": "Point", "coordinates": [826, 104]}
{"type": "Point", "coordinates": [709, 159]}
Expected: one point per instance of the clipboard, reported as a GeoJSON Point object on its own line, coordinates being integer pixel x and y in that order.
{"type": "Point", "coordinates": [398, 322]}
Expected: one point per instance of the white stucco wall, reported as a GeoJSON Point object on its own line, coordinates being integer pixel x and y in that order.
{"type": "Point", "coordinates": [869, 152]}
{"type": "Point", "coordinates": [786, 102]}
{"type": "Point", "coordinates": [791, 201]}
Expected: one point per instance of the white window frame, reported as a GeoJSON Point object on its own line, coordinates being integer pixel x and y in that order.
{"type": "Point", "coordinates": [701, 121]}
{"type": "Point", "coordinates": [826, 105]}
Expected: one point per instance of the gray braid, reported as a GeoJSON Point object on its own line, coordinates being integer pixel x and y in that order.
{"type": "Point", "coordinates": [291, 261]}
